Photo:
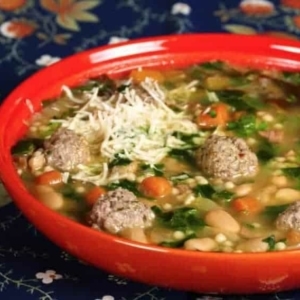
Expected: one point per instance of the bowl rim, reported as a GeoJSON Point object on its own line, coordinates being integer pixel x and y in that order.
{"type": "Point", "coordinates": [287, 45]}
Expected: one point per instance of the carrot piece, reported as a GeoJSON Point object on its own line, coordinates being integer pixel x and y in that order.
{"type": "Point", "coordinates": [155, 187]}
{"type": "Point", "coordinates": [218, 115]}
{"type": "Point", "coordinates": [247, 204]}
{"type": "Point", "coordinates": [293, 237]}
{"type": "Point", "coordinates": [93, 195]}
{"type": "Point", "coordinates": [140, 75]}
{"type": "Point", "coordinates": [49, 178]}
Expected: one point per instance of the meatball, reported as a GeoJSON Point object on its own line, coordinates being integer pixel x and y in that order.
{"type": "Point", "coordinates": [120, 209]}
{"type": "Point", "coordinates": [65, 150]}
{"type": "Point", "coordinates": [227, 158]}
{"type": "Point", "coordinates": [290, 218]}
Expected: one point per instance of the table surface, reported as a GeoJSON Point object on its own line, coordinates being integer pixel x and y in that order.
{"type": "Point", "coordinates": [36, 33]}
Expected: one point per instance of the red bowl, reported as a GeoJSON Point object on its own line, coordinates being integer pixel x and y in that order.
{"type": "Point", "coordinates": [179, 269]}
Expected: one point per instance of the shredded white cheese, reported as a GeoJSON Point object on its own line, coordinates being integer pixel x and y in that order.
{"type": "Point", "coordinates": [136, 123]}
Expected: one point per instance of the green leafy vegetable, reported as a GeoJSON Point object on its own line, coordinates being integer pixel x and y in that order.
{"type": "Point", "coordinates": [68, 191]}
{"type": "Point", "coordinates": [270, 240]}
{"type": "Point", "coordinates": [185, 219]}
{"type": "Point", "coordinates": [291, 77]}
{"type": "Point", "coordinates": [156, 169]}
{"type": "Point", "coordinates": [240, 101]}
{"type": "Point", "coordinates": [125, 184]}
{"type": "Point", "coordinates": [104, 84]}
{"type": "Point", "coordinates": [291, 99]}
{"type": "Point", "coordinates": [187, 138]}
{"type": "Point", "coordinates": [212, 113]}
{"type": "Point", "coordinates": [26, 147]}
{"type": "Point", "coordinates": [204, 190]}
{"type": "Point", "coordinates": [207, 191]}
{"type": "Point", "coordinates": [119, 160]}
{"type": "Point", "coordinates": [223, 195]}
{"type": "Point", "coordinates": [49, 129]}
{"type": "Point", "coordinates": [122, 88]}
{"type": "Point", "coordinates": [212, 65]}
{"type": "Point", "coordinates": [239, 81]}
{"type": "Point", "coordinates": [266, 151]}
{"type": "Point", "coordinates": [273, 211]}
{"type": "Point", "coordinates": [183, 154]}
{"type": "Point", "coordinates": [292, 172]}
{"type": "Point", "coordinates": [178, 244]}
{"type": "Point", "coordinates": [246, 126]}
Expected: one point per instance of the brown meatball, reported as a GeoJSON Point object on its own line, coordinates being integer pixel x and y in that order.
{"type": "Point", "coordinates": [227, 158]}
{"type": "Point", "coordinates": [120, 209]}
{"type": "Point", "coordinates": [290, 218]}
{"type": "Point", "coordinates": [65, 150]}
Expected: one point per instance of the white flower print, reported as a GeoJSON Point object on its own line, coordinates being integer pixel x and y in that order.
{"type": "Point", "coordinates": [46, 60]}
{"type": "Point", "coordinates": [107, 297]}
{"type": "Point", "coordinates": [116, 39]}
{"type": "Point", "coordinates": [181, 8]}
{"type": "Point", "coordinates": [48, 276]}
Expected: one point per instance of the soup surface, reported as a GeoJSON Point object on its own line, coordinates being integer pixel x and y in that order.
{"type": "Point", "coordinates": [204, 158]}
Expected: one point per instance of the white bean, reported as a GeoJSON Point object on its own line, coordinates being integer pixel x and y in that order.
{"type": "Point", "coordinates": [37, 161]}
{"type": "Point", "coordinates": [266, 194]}
{"type": "Point", "coordinates": [253, 245]}
{"type": "Point", "coordinates": [243, 189]}
{"type": "Point", "coordinates": [221, 219]}
{"type": "Point", "coordinates": [280, 181]}
{"type": "Point", "coordinates": [135, 234]}
{"type": "Point", "coordinates": [287, 195]}
{"type": "Point", "coordinates": [201, 244]}
{"type": "Point", "coordinates": [47, 195]}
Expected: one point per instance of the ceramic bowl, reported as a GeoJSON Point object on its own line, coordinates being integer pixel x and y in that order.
{"type": "Point", "coordinates": [179, 269]}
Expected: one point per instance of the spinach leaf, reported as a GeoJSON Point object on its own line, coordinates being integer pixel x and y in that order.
{"type": "Point", "coordinates": [292, 172]}
{"type": "Point", "coordinates": [273, 211]}
{"type": "Point", "coordinates": [104, 84]}
{"type": "Point", "coordinates": [232, 98]}
{"type": "Point", "coordinates": [204, 190]}
{"type": "Point", "coordinates": [187, 138]}
{"type": "Point", "coordinates": [212, 65]}
{"type": "Point", "coordinates": [223, 195]}
{"type": "Point", "coordinates": [239, 81]}
{"type": "Point", "coordinates": [177, 244]}
{"type": "Point", "coordinates": [291, 77]}
{"type": "Point", "coordinates": [266, 151]}
{"type": "Point", "coordinates": [207, 191]}
{"type": "Point", "coordinates": [68, 191]}
{"type": "Point", "coordinates": [270, 240]}
{"type": "Point", "coordinates": [156, 169]}
{"type": "Point", "coordinates": [183, 154]}
{"type": "Point", "coordinates": [49, 129]}
{"type": "Point", "coordinates": [291, 99]}
{"type": "Point", "coordinates": [125, 184]}
{"type": "Point", "coordinates": [246, 126]}
{"type": "Point", "coordinates": [119, 160]}
{"type": "Point", "coordinates": [185, 219]}
{"type": "Point", "coordinates": [122, 88]}
{"type": "Point", "coordinates": [26, 147]}
{"type": "Point", "coordinates": [240, 101]}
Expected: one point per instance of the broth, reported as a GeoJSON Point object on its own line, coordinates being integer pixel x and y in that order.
{"type": "Point", "coordinates": [204, 158]}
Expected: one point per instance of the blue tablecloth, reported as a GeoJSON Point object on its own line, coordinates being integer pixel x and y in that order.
{"type": "Point", "coordinates": [36, 33]}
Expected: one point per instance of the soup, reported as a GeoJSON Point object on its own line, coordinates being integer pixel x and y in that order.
{"type": "Point", "coordinates": [204, 158]}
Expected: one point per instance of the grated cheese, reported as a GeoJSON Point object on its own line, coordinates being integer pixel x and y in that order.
{"type": "Point", "coordinates": [137, 123]}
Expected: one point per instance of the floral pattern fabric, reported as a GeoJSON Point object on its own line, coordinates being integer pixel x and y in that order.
{"type": "Point", "coordinates": [37, 33]}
